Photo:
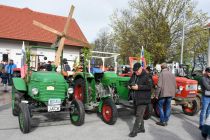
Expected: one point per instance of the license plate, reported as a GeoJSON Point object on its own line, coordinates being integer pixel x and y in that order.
{"type": "Point", "coordinates": [54, 108]}
{"type": "Point", "coordinates": [50, 88]}
{"type": "Point", "coordinates": [52, 102]}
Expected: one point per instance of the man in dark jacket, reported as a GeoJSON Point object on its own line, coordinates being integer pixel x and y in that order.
{"type": "Point", "coordinates": [166, 89]}
{"type": "Point", "coordinates": [140, 86]}
{"type": "Point", "coordinates": [48, 66]}
{"type": "Point", "coordinates": [205, 85]}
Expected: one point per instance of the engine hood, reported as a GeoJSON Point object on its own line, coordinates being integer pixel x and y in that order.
{"type": "Point", "coordinates": [185, 80]}
{"type": "Point", "coordinates": [46, 76]}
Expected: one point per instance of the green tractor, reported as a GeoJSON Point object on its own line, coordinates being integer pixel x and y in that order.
{"type": "Point", "coordinates": [95, 97]}
{"type": "Point", "coordinates": [102, 91]}
{"type": "Point", "coordinates": [41, 92]}
{"type": "Point", "coordinates": [118, 87]}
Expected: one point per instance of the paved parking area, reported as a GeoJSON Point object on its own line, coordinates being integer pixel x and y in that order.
{"type": "Point", "coordinates": [59, 127]}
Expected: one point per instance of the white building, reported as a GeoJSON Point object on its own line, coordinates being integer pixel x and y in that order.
{"type": "Point", "coordinates": [16, 26]}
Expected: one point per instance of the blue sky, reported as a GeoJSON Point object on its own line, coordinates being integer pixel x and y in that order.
{"type": "Point", "coordinates": [91, 15]}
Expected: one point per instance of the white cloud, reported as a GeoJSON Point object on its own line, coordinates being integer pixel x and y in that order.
{"type": "Point", "coordinates": [91, 15]}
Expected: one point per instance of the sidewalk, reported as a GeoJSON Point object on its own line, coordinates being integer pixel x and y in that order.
{"type": "Point", "coordinates": [5, 97]}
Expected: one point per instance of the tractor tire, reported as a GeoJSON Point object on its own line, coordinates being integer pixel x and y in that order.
{"type": "Point", "coordinates": [77, 113]}
{"type": "Point", "coordinates": [196, 106]}
{"type": "Point", "coordinates": [109, 111]}
{"type": "Point", "coordinates": [148, 112]}
{"type": "Point", "coordinates": [16, 99]}
{"type": "Point", "coordinates": [79, 90]}
{"type": "Point", "coordinates": [24, 118]}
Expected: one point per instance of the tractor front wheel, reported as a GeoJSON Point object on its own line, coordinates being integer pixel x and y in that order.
{"type": "Point", "coordinates": [79, 90]}
{"type": "Point", "coordinates": [109, 111]}
{"type": "Point", "coordinates": [16, 99]}
{"type": "Point", "coordinates": [77, 113]}
{"type": "Point", "coordinates": [24, 118]}
{"type": "Point", "coordinates": [194, 108]}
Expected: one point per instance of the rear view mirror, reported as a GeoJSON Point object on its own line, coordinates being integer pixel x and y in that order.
{"type": "Point", "coordinates": [45, 58]}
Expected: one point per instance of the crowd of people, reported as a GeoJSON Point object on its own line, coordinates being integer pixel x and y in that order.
{"type": "Point", "coordinates": [6, 73]}
{"type": "Point", "coordinates": [141, 85]}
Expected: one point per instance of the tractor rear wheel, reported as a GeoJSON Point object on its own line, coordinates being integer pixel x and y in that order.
{"type": "Point", "coordinates": [194, 109]}
{"type": "Point", "coordinates": [24, 118]}
{"type": "Point", "coordinates": [148, 112]}
{"type": "Point", "coordinates": [77, 112]}
{"type": "Point", "coordinates": [79, 90]}
{"type": "Point", "coordinates": [109, 111]}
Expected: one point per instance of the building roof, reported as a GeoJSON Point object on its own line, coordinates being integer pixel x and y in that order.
{"type": "Point", "coordinates": [16, 23]}
{"type": "Point", "coordinates": [208, 25]}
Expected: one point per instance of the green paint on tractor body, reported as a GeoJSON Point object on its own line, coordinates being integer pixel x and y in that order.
{"type": "Point", "coordinates": [49, 84]}
{"type": "Point", "coordinates": [119, 83]}
{"type": "Point", "coordinates": [42, 89]}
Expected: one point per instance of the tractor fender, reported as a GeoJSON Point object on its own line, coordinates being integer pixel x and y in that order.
{"type": "Point", "coordinates": [199, 96]}
{"type": "Point", "coordinates": [19, 84]}
{"type": "Point", "coordinates": [101, 103]}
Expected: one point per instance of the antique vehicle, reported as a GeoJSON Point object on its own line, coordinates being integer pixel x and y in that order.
{"type": "Point", "coordinates": [89, 89]}
{"type": "Point", "coordinates": [42, 92]}
{"type": "Point", "coordinates": [102, 91]}
{"type": "Point", "coordinates": [39, 91]}
{"type": "Point", "coordinates": [187, 93]}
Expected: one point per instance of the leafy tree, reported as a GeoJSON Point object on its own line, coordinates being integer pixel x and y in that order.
{"type": "Point", "coordinates": [196, 47]}
{"type": "Point", "coordinates": [105, 43]}
{"type": "Point", "coordinates": [157, 25]}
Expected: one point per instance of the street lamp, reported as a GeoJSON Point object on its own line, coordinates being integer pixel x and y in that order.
{"type": "Point", "coordinates": [183, 32]}
{"type": "Point", "coordinates": [208, 62]}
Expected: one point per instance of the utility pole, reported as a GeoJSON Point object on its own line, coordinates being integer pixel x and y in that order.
{"type": "Point", "coordinates": [183, 33]}
{"type": "Point", "coordinates": [208, 62]}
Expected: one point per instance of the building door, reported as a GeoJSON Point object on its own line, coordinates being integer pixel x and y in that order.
{"type": "Point", "coordinates": [5, 57]}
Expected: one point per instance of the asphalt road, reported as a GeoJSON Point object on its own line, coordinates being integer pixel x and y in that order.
{"type": "Point", "coordinates": [59, 127]}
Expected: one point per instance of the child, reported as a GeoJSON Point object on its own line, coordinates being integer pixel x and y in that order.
{"type": "Point", "coordinates": [205, 131]}
{"type": "Point", "coordinates": [4, 78]}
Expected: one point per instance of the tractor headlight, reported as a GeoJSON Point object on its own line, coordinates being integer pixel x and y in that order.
{"type": "Point", "coordinates": [35, 91]}
{"type": "Point", "coordinates": [181, 88]}
{"type": "Point", "coordinates": [199, 87]}
{"type": "Point", "coordinates": [70, 90]}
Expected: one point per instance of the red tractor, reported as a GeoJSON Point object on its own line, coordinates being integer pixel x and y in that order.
{"type": "Point", "coordinates": [187, 92]}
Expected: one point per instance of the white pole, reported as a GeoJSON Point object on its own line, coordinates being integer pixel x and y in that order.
{"type": "Point", "coordinates": [115, 64]}
{"type": "Point", "coordinates": [89, 66]}
{"type": "Point", "coordinates": [208, 62]}
{"type": "Point", "coordinates": [183, 32]}
{"type": "Point", "coordinates": [103, 59]}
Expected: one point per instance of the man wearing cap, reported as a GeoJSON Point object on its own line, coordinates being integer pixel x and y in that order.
{"type": "Point", "coordinates": [205, 86]}
{"type": "Point", "coordinates": [140, 86]}
{"type": "Point", "coordinates": [166, 89]}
